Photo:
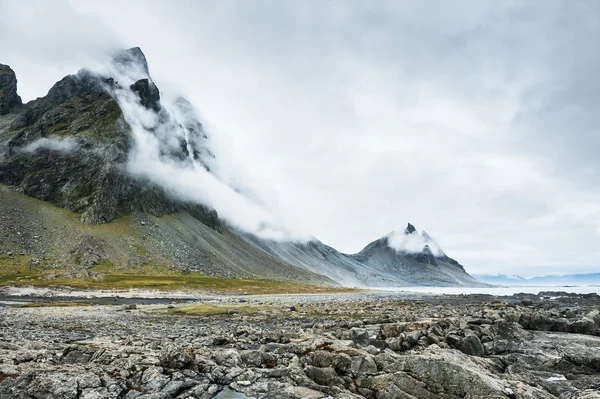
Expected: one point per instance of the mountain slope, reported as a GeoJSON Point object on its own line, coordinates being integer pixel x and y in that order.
{"type": "Point", "coordinates": [98, 207]}
{"type": "Point", "coordinates": [36, 235]}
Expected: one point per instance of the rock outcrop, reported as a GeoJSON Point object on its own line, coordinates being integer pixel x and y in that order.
{"type": "Point", "coordinates": [9, 99]}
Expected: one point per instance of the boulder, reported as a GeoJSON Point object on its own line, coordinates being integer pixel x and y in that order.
{"type": "Point", "coordinates": [229, 358]}
{"type": "Point", "coordinates": [363, 365]}
{"type": "Point", "coordinates": [175, 357]}
{"type": "Point", "coordinates": [323, 375]}
{"type": "Point", "coordinates": [471, 345]}
{"type": "Point", "coordinates": [360, 336]}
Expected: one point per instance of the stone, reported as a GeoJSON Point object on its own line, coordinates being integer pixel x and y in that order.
{"type": "Point", "coordinates": [252, 358]}
{"type": "Point", "coordinates": [228, 358]}
{"type": "Point", "coordinates": [322, 375]}
{"type": "Point", "coordinates": [342, 363]}
{"type": "Point", "coordinates": [359, 336]}
{"type": "Point", "coordinates": [220, 340]}
{"type": "Point", "coordinates": [23, 356]}
{"type": "Point", "coordinates": [412, 337]}
{"type": "Point", "coordinates": [175, 357]}
{"type": "Point", "coordinates": [361, 366]}
{"type": "Point", "coordinates": [471, 345]}
{"type": "Point", "coordinates": [153, 380]}
{"type": "Point", "coordinates": [307, 393]}
{"type": "Point", "coordinates": [392, 330]}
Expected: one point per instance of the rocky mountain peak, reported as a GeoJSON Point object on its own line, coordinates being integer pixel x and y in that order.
{"type": "Point", "coordinates": [131, 59]}
{"type": "Point", "coordinates": [9, 98]}
{"type": "Point", "coordinates": [73, 146]}
{"type": "Point", "coordinates": [409, 229]}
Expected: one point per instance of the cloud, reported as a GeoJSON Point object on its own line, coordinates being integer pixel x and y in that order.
{"type": "Point", "coordinates": [414, 242]}
{"type": "Point", "coordinates": [156, 154]}
{"type": "Point", "coordinates": [476, 120]}
{"type": "Point", "coordinates": [65, 145]}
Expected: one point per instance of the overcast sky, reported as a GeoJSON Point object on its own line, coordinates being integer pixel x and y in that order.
{"type": "Point", "coordinates": [477, 121]}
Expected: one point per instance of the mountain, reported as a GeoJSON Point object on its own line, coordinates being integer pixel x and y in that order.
{"type": "Point", "coordinates": [549, 280]}
{"type": "Point", "coordinates": [91, 177]}
{"type": "Point", "coordinates": [377, 265]}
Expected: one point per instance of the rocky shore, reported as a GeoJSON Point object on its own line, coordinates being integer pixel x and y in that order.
{"type": "Point", "coordinates": [359, 345]}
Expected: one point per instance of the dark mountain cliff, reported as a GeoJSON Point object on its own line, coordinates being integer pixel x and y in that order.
{"type": "Point", "coordinates": [71, 148]}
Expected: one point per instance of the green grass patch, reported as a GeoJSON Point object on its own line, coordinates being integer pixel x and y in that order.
{"type": "Point", "coordinates": [104, 265]}
{"type": "Point", "coordinates": [14, 263]}
{"type": "Point", "coordinates": [195, 281]}
{"type": "Point", "coordinates": [217, 310]}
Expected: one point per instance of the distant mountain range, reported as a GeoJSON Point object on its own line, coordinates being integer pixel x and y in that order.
{"type": "Point", "coordinates": [87, 182]}
{"type": "Point", "coordinates": [549, 280]}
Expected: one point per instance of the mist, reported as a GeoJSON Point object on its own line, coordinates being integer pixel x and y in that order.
{"type": "Point", "coordinates": [413, 243]}
{"type": "Point", "coordinates": [64, 145]}
{"type": "Point", "coordinates": [157, 137]}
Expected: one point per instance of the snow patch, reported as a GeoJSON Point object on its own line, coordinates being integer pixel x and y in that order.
{"type": "Point", "coordinates": [557, 378]}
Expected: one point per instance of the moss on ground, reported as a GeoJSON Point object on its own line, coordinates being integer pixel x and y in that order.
{"type": "Point", "coordinates": [196, 281]}
{"type": "Point", "coordinates": [216, 310]}
{"type": "Point", "coordinates": [14, 263]}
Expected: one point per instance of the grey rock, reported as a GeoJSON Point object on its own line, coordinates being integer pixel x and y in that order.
{"type": "Point", "coordinates": [229, 358]}
{"type": "Point", "coordinates": [252, 358]}
{"type": "Point", "coordinates": [175, 357]}
{"type": "Point", "coordinates": [360, 336]}
{"type": "Point", "coordinates": [362, 366]}
{"type": "Point", "coordinates": [323, 375]}
{"type": "Point", "coordinates": [23, 356]}
{"type": "Point", "coordinates": [471, 345]}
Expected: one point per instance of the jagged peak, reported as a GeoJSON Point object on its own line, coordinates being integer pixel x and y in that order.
{"type": "Point", "coordinates": [409, 229]}
{"type": "Point", "coordinates": [413, 241]}
{"type": "Point", "coordinates": [131, 61]}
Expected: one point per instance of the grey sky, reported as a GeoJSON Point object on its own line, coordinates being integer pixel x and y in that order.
{"type": "Point", "coordinates": [475, 120]}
